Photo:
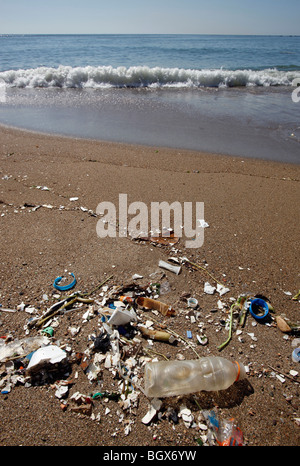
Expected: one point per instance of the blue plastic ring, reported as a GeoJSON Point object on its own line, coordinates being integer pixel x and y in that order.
{"type": "Point", "coordinates": [66, 287]}
{"type": "Point", "coordinates": [261, 303]}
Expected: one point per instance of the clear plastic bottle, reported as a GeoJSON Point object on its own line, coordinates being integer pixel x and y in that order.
{"type": "Point", "coordinates": [170, 378]}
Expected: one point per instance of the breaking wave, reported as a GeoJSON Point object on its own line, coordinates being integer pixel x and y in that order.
{"type": "Point", "coordinates": [143, 76]}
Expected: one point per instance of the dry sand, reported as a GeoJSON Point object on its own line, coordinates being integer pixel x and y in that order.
{"type": "Point", "coordinates": [251, 245]}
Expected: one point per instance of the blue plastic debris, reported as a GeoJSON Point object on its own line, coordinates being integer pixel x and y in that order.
{"type": "Point", "coordinates": [66, 287]}
{"type": "Point", "coordinates": [296, 355]}
{"type": "Point", "coordinates": [255, 307]}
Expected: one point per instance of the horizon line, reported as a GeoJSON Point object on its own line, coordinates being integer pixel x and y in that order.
{"type": "Point", "coordinates": [140, 34]}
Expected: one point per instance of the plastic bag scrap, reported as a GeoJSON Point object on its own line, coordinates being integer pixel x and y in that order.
{"type": "Point", "coordinates": [226, 431]}
{"type": "Point", "coordinates": [19, 348]}
{"type": "Point", "coordinates": [102, 342]}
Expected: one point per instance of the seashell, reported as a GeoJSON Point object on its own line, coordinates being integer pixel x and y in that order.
{"type": "Point", "coordinates": [282, 325]}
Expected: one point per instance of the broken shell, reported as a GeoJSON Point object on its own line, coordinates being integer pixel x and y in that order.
{"type": "Point", "coordinates": [282, 325]}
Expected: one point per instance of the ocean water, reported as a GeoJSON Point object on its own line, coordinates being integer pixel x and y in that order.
{"type": "Point", "coordinates": [227, 94]}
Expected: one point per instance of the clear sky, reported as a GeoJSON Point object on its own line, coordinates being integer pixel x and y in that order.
{"type": "Point", "coordinates": [150, 17]}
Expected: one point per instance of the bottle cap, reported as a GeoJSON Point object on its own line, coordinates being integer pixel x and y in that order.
{"type": "Point", "coordinates": [241, 373]}
{"type": "Point", "coordinates": [296, 355]}
{"type": "Point", "coordinates": [254, 308]}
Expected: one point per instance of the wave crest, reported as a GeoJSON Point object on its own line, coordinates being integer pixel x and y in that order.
{"type": "Point", "coordinates": [143, 76]}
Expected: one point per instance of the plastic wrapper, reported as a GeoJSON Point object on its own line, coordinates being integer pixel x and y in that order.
{"type": "Point", "coordinates": [226, 431]}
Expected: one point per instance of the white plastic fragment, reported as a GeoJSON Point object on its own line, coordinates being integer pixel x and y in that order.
{"type": "Point", "coordinates": [220, 305]}
{"type": "Point", "coordinates": [208, 288]}
{"type": "Point", "coordinates": [30, 310]}
{"type": "Point", "coordinates": [74, 330]}
{"type": "Point", "coordinates": [280, 378]}
{"type": "Point", "coordinates": [172, 268]}
{"type": "Point", "coordinates": [21, 306]}
{"type": "Point", "coordinates": [203, 224]}
{"type": "Point", "coordinates": [122, 317]}
{"type": "Point", "coordinates": [203, 340]}
{"type": "Point", "coordinates": [92, 371]}
{"type": "Point", "coordinates": [77, 396]}
{"type": "Point", "coordinates": [222, 289]}
{"type": "Point", "coordinates": [252, 336]}
{"type": "Point", "coordinates": [127, 428]}
{"type": "Point", "coordinates": [49, 354]}
{"type": "Point", "coordinates": [154, 407]}
{"type": "Point", "coordinates": [22, 347]}
{"type": "Point", "coordinates": [202, 426]}
{"type": "Point", "coordinates": [149, 416]}
{"type": "Point", "coordinates": [61, 391]}
{"type": "Point", "coordinates": [187, 416]}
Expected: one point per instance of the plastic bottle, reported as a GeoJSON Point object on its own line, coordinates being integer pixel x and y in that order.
{"type": "Point", "coordinates": [169, 378]}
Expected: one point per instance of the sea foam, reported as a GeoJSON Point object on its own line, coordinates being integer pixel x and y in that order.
{"type": "Point", "coordinates": [143, 76]}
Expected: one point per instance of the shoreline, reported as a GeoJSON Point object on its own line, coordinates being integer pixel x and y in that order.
{"type": "Point", "coordinates": [251, 245]}
{"type": "Point", "coordinates": [14, 130]}
{"type": "Point", "coordinates": [231, 122]}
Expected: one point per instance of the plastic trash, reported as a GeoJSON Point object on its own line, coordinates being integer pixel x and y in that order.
{"type": "Point", "coordinates": [171, 378]}
{"type": "Point", "coordinates": [122, 316]}
{"type": "Point", "coordinates": [296, 355]}
{"type": "Point", "coordinates": [154, 407]}
{"type": "Point", "coordinates": [48, 331]}
{"type": "Point", "coordinates": [208, 288]}
{"type": "Point", "coordinates": [172, 268]}
{"type": "Point", "coordinates": [157, 334]}
{"type": "Point", "coordinates": [192, 302]}
{"type": "Point", "coordinates": [127, 299]}
{"type": "Point", "coordinates": [226, 431]}
{"type": "Point", "coordinates": [102, 342]}
{"type": "Point", "coordinates": [149, 303]}
{"type": "Point", "coordinates": [49, 354]}
{"type": "Point", "coordinates": [164, 288]}
{"type": "Point", "coordinates": [169, 239]}
{"type": "Point", "coordinates": [21, 348]}
{"type": "Point", "coordinates": [66, 287]}
{"type": "Point", "coordinates": [259, 308]}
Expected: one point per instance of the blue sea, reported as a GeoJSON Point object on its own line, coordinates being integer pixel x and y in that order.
{"type": "Point", "coordinates": [233, 95]}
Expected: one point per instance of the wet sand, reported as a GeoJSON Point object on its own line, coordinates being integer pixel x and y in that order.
{"type": "Point", "coordinates": [232, 121]}
{"type": "Point", "coordinates": [251, 245]}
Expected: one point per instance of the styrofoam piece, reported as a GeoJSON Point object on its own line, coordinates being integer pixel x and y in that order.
{"type": "Point", "coordinates": [122, 317]}
{"type": "Point", "coordinates": [48, 354]}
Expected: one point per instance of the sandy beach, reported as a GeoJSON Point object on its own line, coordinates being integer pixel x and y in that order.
{"type": "Point", "coordinates": [250, 246]}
